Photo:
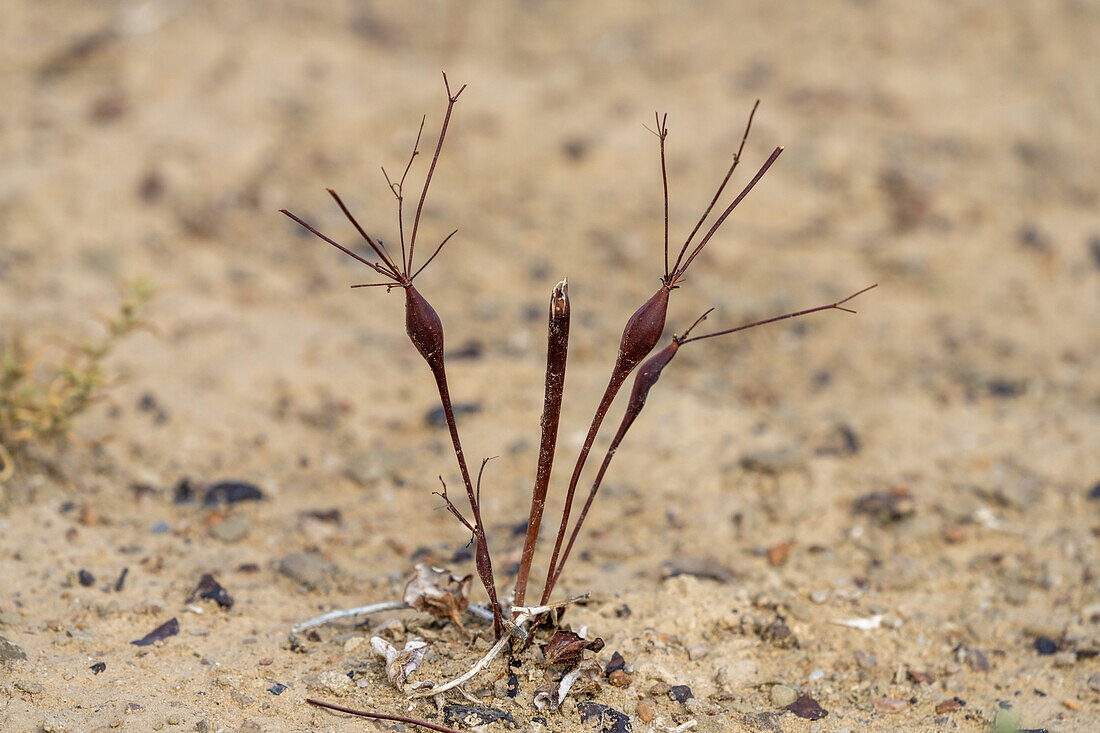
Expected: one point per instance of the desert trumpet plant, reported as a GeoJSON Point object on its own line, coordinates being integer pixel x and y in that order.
{"type": "Point", "coordinates": [641, 334]}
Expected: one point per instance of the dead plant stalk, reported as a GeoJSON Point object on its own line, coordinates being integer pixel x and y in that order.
{"type": "Point", "coordinates": [640, 335]}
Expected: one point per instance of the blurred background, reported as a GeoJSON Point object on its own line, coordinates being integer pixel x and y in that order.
{"type": "Point", "coordinates": [946, 151]}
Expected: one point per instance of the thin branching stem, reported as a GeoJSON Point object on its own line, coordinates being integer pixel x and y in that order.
{"type": "Point", "coordinates": [451, 99]}
{"type": "Point", "coordinates": [679, 271]}
{"type": "Point", "coordinates": [718, 193]}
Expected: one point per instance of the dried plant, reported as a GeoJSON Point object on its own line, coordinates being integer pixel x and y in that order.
{"type": "Point", "coordinates": [39, 404]}
{"type": "Point", "coordinates": [640, 335]}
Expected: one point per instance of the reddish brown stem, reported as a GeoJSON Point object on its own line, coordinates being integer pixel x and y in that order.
{"type": "Point", "coordinates": [381, 716]}
{"type": "Point", "coordinates": [557, 351]}
{"type": "Point", "coordinates": [641, 334]}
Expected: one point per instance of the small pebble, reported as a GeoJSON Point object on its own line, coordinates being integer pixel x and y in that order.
{"type": "Point", "coordinates": [782, 696]}
{"type": "Point", "coordinates": [616, 663]}
{"type": "Point", "coordinates": [1094, 681]}
{"type": "Point", "coordinates": [698, 651]}
{"type": "Point", "coordinates": [29, 687]}
{"type": "Point", "coordinates": [919, 677]}
{"type": "Point", "coordinates": [277, 689]}
{"type": "Point", "coordinates": [86, 579]}
{"type": "Point", "coordinates": [1072, 705]}
{"type": "Point", "coordinates": [311, 571]}
{"type": "Point", "coordinates": [619, 678]}
{"type": "Point", "coordinates": [10, 652]}
{"type": "Point", "coordinates": [356, 644]}
{"type": "Point", "coordinates": [1094, 492]}
{"type": "Point", "coordinates": [680, 693]}
{"type": "Point", "coordinates": [807, 708]}
{"type": "Point", "coordinates": [890, 705]}
{"type": "Point", "coordinates": [819, 596]}
{"type": "Point", "coordinates": [646, 710]}
{"type": "Point", "coordinates": [779, 554]}
{"type": "Point", "coordinates": [816, 675]}
{"type": "Point", "coordinates": [1064, 659]}
{"type": "Point", "coordinates": [233, 529]}
{"type": "Point", "coordinates": [336, 683]}
{"type": "Point", "coordinates": [173, 719]}
{"type": "Point", "coordinates": [1045, 646]}
{"type": "Point", "coordinates": [231, 492]}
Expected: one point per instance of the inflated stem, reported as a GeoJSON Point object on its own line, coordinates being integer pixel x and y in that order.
{"type": "Point", "coordinates": [647, 377]}
{"type": "Point", "coordinates": [557, 351]}
{"type": "Point", "coordinates": [641, 334]}
{"type": "Point", "coordinates": [426, 332]}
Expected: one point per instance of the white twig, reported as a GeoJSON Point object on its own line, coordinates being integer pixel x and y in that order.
{"type": "Point", "coordinates": [481, 664]}
{"type": "Point", "coordinates": [324, 618]}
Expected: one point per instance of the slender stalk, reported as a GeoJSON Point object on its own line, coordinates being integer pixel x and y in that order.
{"type": "Point", "coordinates": [482, 560]}
{"type": "Point", "coordinates": [381, 716]}
{"type": "Point", "coordinates": [557, 350]}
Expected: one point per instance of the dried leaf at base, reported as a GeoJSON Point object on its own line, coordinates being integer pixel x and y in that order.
{"type": "Point", "coordinates": [438, 592]}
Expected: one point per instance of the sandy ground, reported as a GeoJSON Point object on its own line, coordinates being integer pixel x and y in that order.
{"type": "Point", "coordinates": [946, 151]}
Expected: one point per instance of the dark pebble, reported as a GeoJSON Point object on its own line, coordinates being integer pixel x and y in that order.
{"type": "Point", "coordinates": [617, 662]}
{"type": "Point", "coordinates": [436, 418]}
{"type": "Point", "coordinates": [609, 719]}
{"type": "Point", "coordinates": [121, 580]}
{"type": "Point", "coordinates": [86, 579]}
{"type": "Point", "coordinates": [1030, 236]}
{"type": "Point", "coordinates": [886, 506]}
{"type": "Point", "coordinates": [680, 693]}
{"type": "Point", "coordinates": [1094, 250]}
{"type": "Point", "coordinates": [170, 627]}
{"type": "Point", "coordinates": [623, 611]}
{"type": "Point", "coordinates": [1045, 646]}
{"type": "Point", "coordinates": [184, 493]}
{"type": "Point", "coordinates": [248, 567]}
{"type": "Point", "coordinates": [277, 689]}
{"type": "Point", "coordinates": [329, 516]}
{"type": "Point", "coordinates": [779, 634]}
{"type": "Point", "coordinates": [575, 148]}
{"type": "Point", "coordinates": [807, 707]}
{"type": "Point", "coordinates": [1005, 388]}
{"type": "Point", "coordinates": [471, 715]}
{"type": "Point", "coordinates": [231, 492]}
{"type": "Point", "coordinates": [1094, 492]}
{"type": "Point", "coordinates": [10, 652]}
{"type": "Point", "coordinates": [212, 590]}
{"type": "Point", "coordinates": [513, 685]}
{"type": "Point", "coordinates": [98, 667]}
